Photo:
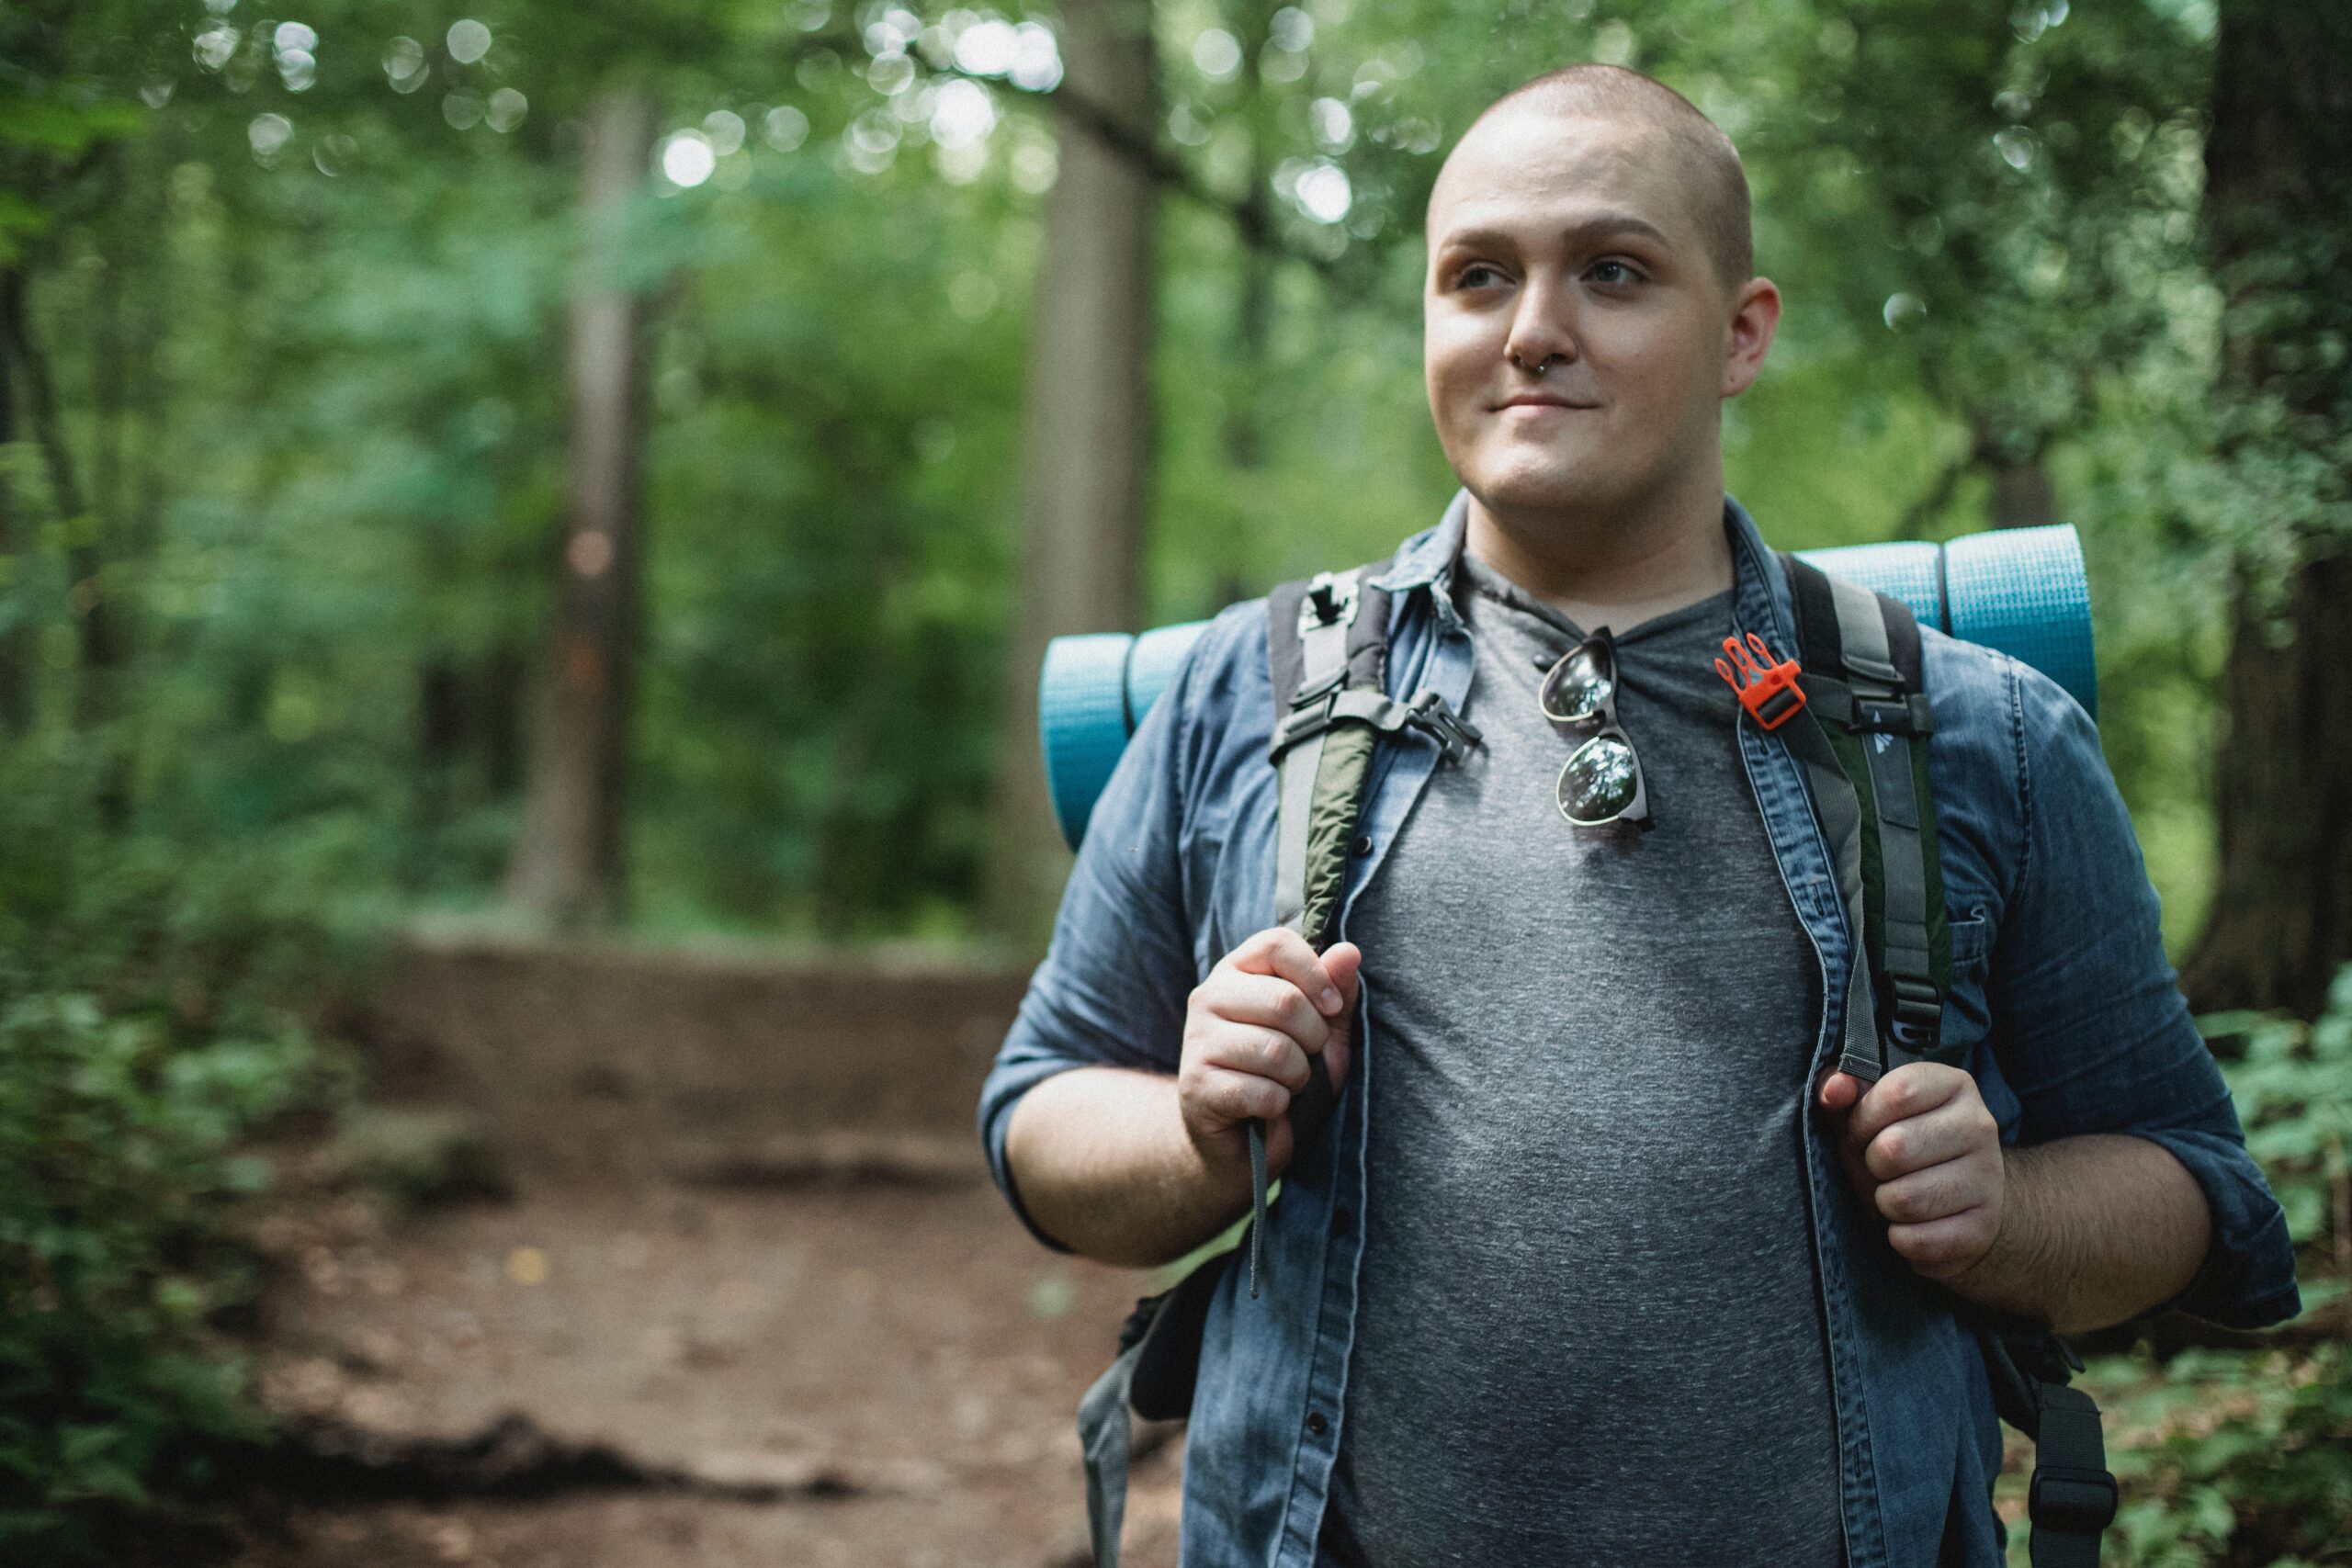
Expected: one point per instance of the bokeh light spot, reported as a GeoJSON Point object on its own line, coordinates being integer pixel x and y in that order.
{"type": "Point", "coordinates": [786, 128]}
{"type": "Point", "coordinates": [268, 134]}
{"type": "Point", "coordinates": [1324, 194]}
{"type": "Point", "coordinates": [1217, 54]}
{"type": "Point", "coordinates": [687, 159]}
{"type": "Point", "coordinates": [725, 128]}
{"type": "Point", "coordinates": [468, 41]}
{"type": "Point", "coordinates": [507, 109]}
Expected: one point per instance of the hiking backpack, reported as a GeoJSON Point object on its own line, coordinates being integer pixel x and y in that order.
{"type": "Point", "coordinates": [1853, 709]}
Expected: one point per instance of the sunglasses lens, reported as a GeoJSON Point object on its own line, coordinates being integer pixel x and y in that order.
{"type": "Point", "coordinates": [1579, 685]}
{"type": "Point", "coordinates": [1600, 781]}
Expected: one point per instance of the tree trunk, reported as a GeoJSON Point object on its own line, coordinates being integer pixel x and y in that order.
{"type": "Point", "coordinates": [95, 637]}
{"type": "Point", "coordinates": [566, 866]}
{"type": "Point", "coordinates": [2023, 496]}
{"type": "Point", "coordinates": [1087, 440]}
{"type": "Point", "coordinates": [15, 627]}
{"type": "Point", "coordinates": [2279, 213]}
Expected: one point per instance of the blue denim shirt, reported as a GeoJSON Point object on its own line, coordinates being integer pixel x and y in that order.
{"type": "Point", "coordinates": [2061, 991]}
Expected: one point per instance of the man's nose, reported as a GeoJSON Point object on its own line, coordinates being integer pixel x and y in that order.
{"type": "Point", "coordinates": [1543, 324]}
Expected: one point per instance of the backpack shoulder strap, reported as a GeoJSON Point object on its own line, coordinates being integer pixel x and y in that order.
{"type": "Point", "coordinates": [1325, 637]}
{"type": "Point", "coordinates": [1327, 657]}
{"type": "Point", "coordinates": [1863, 733]}
{"type": "Point", "coordinates": [1866, 698]}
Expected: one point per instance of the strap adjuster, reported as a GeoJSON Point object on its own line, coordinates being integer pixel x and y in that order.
{"type": "Point", "coordinates": [1914, 1014]}
{"type": "Point", "coordinates": [1904, 713]}
{"type": "Point", "coordinates": [1316, 711]}
{"type": "Point", "coordinates": [1431, 713]}
{"type": "Point", "coordinates": [2078, 1501]}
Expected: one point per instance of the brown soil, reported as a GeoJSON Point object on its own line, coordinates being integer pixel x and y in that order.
{"type": "Point", "coordinates": [853, 1370]}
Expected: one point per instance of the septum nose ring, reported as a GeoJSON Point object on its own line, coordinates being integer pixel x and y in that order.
{"type": "Point", "coordinates": [1539, 366]}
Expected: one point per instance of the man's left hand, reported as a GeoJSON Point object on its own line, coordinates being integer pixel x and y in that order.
{"type": "Point", "coordinates": [1920, 1148]}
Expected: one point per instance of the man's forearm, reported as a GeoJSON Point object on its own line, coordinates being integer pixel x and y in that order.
{"type": "Point", "coordinates": [1103, 1166]}
{"type": "Point", "coordinates": [2094, 1230]}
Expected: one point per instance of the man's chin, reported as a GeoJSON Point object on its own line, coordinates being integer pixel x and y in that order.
{"type": "Point", "coordinates": [1550, 488]}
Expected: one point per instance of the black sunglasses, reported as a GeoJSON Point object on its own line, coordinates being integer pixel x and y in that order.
{"type": "Point", "coordinates": [1601, 781]}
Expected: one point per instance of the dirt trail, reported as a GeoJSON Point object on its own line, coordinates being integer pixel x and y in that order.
{"type": "Point", "coordinates": [895, 1366]}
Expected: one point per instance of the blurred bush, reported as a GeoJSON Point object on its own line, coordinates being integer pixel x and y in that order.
{"type": "Point", "coordinates": [144, 1044]}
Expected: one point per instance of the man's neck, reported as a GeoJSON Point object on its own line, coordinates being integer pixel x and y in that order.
{"type": "Point", "coordinates": [1616, 572]}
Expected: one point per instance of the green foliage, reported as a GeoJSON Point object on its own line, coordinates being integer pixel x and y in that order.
{"type": "Point", "coordinates": [140, 1050]}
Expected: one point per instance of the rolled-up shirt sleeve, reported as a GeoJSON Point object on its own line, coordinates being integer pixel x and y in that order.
{"type": "Point", "coordinates": [2091, 1029]}
{"type": "Point", "coordinates": [1112, 987]}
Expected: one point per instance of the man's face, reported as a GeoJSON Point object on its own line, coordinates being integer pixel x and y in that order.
{"type": "Point", "coordinates": [1577, 238]}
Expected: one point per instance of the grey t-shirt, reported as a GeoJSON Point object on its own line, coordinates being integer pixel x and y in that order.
{"type": "Point", "coordinates": [1590, 1329]}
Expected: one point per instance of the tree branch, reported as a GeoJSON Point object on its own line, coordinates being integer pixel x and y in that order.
{"type": "Point", "coordinates": [1251, 219]}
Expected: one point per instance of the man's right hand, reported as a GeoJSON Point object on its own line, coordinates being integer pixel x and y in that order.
{"type": "Point", "coordinates": [1249, 1030]}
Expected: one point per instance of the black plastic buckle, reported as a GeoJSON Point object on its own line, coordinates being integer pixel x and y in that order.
{"type": "Point", "coordinates": [2082, 1501]}
{"type": "Point", "coordinates": [1455, 735]}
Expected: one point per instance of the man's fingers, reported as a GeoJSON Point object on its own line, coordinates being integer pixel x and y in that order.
{"type": "Point", "coordinates": [1930, 1194]}
{"type": "Point", "coordinates": [1285, 955]}
{"type": "Point", "coordinates": [1954, 1128]}
{"type": "Point", "coordinates": [1912, 1090]}
{"type": "Point", "coordinates": [1942, 1247]}
{"type": "Point", "coordinates": [1229, 1097]}
{"type": "Point", "coordinates": [1268, 1052]}
{"type": "Point", "coordinates": [1269, 1003]}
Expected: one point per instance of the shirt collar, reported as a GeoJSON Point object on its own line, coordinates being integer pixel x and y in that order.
{"type": "Point", "coordinates": [1427, 560]}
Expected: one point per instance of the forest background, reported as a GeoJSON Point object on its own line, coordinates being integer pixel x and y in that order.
{"type": "Point", "coordinates": [530, 467]}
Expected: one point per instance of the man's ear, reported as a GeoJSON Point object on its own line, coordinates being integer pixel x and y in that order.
{"type": "Point", "coordinates": [1755, 317]}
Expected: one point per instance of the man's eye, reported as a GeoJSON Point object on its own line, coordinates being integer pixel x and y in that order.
{"type": "Point", "coordinates": [1477, 274]}
{"type": "Point", "coordinates": [1614, 272]}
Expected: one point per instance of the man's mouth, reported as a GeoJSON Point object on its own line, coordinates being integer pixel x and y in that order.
{"type": "Point", "coordinates": [1542, 401]}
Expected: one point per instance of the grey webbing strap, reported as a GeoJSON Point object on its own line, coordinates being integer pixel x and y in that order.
{"type": "Point", "coordinates": [1103, 1436]}
{"type": "Point", "coordinates": [1859, 1052]}
{"type": "Point", "coordinates": [1325, 614]}
{"type": "Point", "coordinates": [1872, 679]}
{"type": "Point", "coordinates": [1862, 631]}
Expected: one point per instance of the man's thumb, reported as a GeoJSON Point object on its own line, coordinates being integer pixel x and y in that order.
{"type": "Point", "coordinates": [1343, 961]}
{"type": "Point", "coordinates": [1840, 1091]}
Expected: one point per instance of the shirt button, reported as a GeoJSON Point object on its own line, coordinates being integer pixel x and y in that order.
{"type": "Point", "coordinates": [1315, 1424]}
{"type": "Point", "coordinates": [1362, 846]}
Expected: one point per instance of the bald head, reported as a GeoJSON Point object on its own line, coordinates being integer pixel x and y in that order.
{"type": "Point", "coordinates": [1705, 162]}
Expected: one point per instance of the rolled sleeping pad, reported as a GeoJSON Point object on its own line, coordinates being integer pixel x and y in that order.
{"type": "Point", "coordinates": [2021, 591]}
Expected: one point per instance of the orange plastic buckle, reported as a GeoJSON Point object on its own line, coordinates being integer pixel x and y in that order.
{"type": "Point", "coordinates": [1767, 689]}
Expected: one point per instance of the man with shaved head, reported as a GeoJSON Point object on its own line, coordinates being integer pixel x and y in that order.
{"type": "Point", "coordinates": [1596, 1259]}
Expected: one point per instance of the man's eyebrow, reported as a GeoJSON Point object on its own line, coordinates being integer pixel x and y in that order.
{"type": "Point", "coordinates": [1596, 226]}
